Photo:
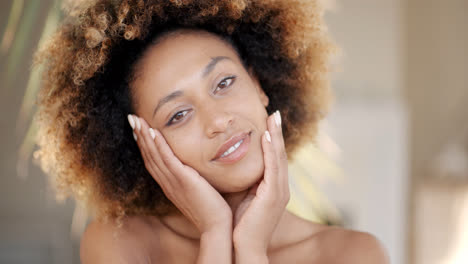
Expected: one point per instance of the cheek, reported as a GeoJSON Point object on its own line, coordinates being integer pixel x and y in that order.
{"type": "Point", "coordinates": [184, 146]}
{"type": "Point", "coordinates": [257, 113]}
{"type": "Point", "coordinates": [248, 102]}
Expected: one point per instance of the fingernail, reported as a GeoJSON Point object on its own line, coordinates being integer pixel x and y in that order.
{"type": "Point", "coordinates": [267, 135]}
{"type": "Point", "coordinates": [151, 131]}
{"type": "Point", "coordinates": [135, 136]}
{"type": "Point", "coordinates": [138, 124]}
{"type": "Point", "coordinates": [131, 121]}
{"type": "Point", "coordinates": [277, 118]}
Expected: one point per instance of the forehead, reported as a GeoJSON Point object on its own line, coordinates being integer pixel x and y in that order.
{"type": "Point", "coordinates": [177, 60]}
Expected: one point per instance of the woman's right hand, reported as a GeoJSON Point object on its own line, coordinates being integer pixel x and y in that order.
{"type": "Point", "coordinates": [191, 193]}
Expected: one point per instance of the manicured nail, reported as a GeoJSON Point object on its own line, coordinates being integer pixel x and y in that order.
{"type": "Point", "coordinates": [138, 124]}
{"type": "Point", "coordinates": [135, 136]}
{"type": "Point", "coordinates": [131, 121]}
{"type": "Point", "coordinates": [267, 135]}
{"type": "Point", "coordinates": [277, 118]}
{"type": "Point", "coordinates": [151, 131]}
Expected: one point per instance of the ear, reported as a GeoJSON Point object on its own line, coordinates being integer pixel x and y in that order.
{"type": "Point", "coordinates": [263, 97]}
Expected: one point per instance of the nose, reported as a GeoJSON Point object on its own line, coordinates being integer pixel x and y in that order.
{"type": "Point", "coordinates": [217, 120]}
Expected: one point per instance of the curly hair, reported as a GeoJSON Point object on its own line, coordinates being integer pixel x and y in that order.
{"type": "Point", "coordinates": [85, 142]}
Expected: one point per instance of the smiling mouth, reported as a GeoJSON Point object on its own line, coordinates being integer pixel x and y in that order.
{"type": "Point", "coordinates": [236, 151]}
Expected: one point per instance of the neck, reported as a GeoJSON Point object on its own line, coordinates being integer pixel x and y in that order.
{"type": "Point", "coordinates": [181, 226]}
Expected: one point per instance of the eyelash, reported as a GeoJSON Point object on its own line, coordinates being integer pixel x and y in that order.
{"type": "Point", "coordinates": [232, 78]}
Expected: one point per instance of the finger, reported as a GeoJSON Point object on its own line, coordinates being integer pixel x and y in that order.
{"type": "Point", "coordinates": [273, 147]}
{"type": "Point", "coordinates": [145, 141]}
{"type": "Point", "coordinates": [151, 167]}
{"type": "Point", "coordinates": [141, 146]}
{"type": "Point", "coordinates": [275, 174]}
{"type": "Point", "coordinates": [167, 155]}
{"type": "Point", "coordinates": [170, 181]}
{"type": "Point", "coordinates": [152, 152]}
{"type": "Point", "coordinates": [151, 158]}
{"type": "Point", "coordinates": [274, 126]}
{"type": "Point", "coordinates": [270, 160]}
{"type": "Point", "coordinates": [176, 171]}
{"type": "Point", "coordinates": [177, 174]}
{"type": "Point", "coordinates": [283, 157]}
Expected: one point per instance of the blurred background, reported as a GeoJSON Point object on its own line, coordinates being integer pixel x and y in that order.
{"type": "Point", "coordinates": [391, 158]}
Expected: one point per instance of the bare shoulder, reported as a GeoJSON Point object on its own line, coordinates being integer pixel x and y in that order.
{"type": "Point", "coordinates": [349, 246]}
{"type": "Point", "coordinates": [316, 243]}
{"type": "Point", "coordinates": [108, 243]}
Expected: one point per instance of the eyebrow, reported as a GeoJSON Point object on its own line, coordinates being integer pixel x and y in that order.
{"type": "Point", "coordinates": [208, 68]}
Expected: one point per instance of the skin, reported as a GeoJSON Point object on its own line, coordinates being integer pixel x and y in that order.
{"type": "Point", "coordinates": [229, 213]}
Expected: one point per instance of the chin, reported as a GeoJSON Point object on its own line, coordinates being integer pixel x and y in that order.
{"type": "Point", "coordinates": [242, 177]}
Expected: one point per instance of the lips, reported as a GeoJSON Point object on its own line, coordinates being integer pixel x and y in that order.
{"type": "Point", "coordinates": [229, 143]}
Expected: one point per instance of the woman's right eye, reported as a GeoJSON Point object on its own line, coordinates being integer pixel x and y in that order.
{"type": "Point", "coordinates": [177, 117]}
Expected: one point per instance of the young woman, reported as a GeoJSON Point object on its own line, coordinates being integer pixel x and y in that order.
{"type": "Point", "coordinates": [177, 120]}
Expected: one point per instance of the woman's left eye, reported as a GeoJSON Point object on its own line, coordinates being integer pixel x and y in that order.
{"type": "Point", "coordinates": [226, 82]}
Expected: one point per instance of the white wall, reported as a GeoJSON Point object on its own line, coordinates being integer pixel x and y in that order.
{"type": "Point", "coordinates": [370, 120]}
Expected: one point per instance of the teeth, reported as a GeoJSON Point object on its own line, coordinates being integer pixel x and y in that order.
{"type": "Point", "coordinates": [231, 149]}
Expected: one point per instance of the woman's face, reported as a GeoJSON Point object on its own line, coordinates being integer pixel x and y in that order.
{"type": "Point", "coordinates": [194, 89]}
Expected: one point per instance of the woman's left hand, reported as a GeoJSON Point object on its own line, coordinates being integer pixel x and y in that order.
{"type": "Point", "coordinates": [258, 215]}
